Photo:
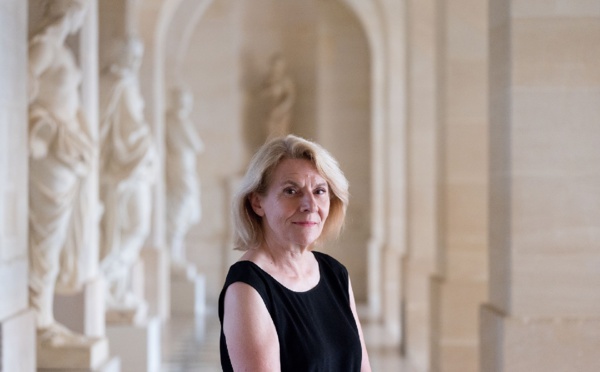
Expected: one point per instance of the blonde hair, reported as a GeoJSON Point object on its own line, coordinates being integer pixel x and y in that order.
{"type": "Point", "coordinates": [248, 225]}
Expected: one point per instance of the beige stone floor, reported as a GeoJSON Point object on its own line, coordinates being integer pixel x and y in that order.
{"type": "Point", "coordinates": [193, 346]}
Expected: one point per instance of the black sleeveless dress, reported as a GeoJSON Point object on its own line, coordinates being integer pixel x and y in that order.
{"type": "Point", "coordinates": [316, 328]}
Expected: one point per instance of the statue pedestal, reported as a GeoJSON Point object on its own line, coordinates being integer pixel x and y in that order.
{"type": "Point", "coordinates": [137, 344]}
{"type": "Point", "coordinates": [188, 292]}
{"type": "Point", "coordinates": [17, 342]}
{"type": "Point", "coordinates": [156, 281]}
{"type": "Point", "coordinates": [135, 315]}
{"type": "Point", "coordinates": [112, 365]}
{"type": "Point", "coordinates": [83, 312]}
{"type": "Point", "coordinates": [89, 356]}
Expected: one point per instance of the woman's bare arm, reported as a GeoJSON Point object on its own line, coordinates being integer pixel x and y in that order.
{"type": "Point", "coordinates": [366, 365]}
{"type": "Point", "coordinates": [249, 330]}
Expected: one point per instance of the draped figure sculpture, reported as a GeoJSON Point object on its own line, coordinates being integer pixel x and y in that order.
{"type": "Point", "coordinates": [280, 90]}
{"type": "Point", "coordinates": [61, 154]}
{"type": "Point", "coordinates": [128, 162]}
{"type": "Point", "coordinates": [183, 186]}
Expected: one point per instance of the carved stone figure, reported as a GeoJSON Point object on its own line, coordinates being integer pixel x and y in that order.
{"type": "Point", "coordinates": [128, 162]}
{"type": "Point", "coordinates": [183, 186]}
{"type": "Point", "coordinates": [61, 155]}
{"type": "Point", "coordinates": [281, 92]}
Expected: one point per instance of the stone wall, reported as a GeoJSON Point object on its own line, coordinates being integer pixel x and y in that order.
{"type": "Point", "coordinates": [17, 327]}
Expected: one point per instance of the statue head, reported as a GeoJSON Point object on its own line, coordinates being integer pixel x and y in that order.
{"type": "Point", "coordinates": [182, 99]}
{"type": "Point", "coordinates": [129, 53]}
{"type": "Point", "coordinates": [71, 11]}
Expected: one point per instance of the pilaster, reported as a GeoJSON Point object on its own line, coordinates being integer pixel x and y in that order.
{"type": "Point", "coordinates": [544, 304]}
{"type": "Point", "coordinates": [460, 283]}
{"type": "Point", "coordinates": [422, 201]}
{"type": "Point", "coordinates": [523, 344]}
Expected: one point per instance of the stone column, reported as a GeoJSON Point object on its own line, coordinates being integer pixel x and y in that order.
{"type": "Point", "coordinates": [422, 200]}
{"type": "Point", "coordinates": [461, 281]}
{"type": "Point", "coordinates": [17, 323]}
{"type": "Point", "coordinates": [393, 16]}
{"type": "Point", "coordinates": [150, 18]}
{"type": "Point", "coordinates": [543, 312]}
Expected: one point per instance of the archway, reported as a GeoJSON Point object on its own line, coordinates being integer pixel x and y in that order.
{"type": "Point", "coordinates": [382, 24]}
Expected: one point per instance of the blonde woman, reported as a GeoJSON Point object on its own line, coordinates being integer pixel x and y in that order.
{"type": "Point", "coordinates": [284, 305]}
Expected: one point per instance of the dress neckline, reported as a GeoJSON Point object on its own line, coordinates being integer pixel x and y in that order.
{"type": "Point", "coordinates": [286, 288]}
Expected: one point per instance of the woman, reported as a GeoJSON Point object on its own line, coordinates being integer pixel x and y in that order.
{"type": "Point", "coordinates": [284, 306]}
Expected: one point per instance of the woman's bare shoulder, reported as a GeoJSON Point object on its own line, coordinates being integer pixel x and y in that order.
{"type": "Point", "coordinates": [249, 330]}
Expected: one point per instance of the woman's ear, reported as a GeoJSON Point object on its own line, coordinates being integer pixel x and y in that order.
{"type": "Point", "coordinates": [255, 202]}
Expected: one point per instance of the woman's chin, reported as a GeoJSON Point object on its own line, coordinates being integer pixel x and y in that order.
{"type": "Point", "coordinates": [306, 242]}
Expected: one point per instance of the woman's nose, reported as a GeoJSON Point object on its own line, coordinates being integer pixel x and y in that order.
{"type": "Point", "coordinates": [309, 204]}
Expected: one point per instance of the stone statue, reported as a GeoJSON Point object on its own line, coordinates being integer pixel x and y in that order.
{"type": "Point", "coordinates": [183, 186]}
{"type": "Point", "coordinates": [281, 92]}
{"type": "Point", "coordinates": [61, 158]}
{"type": "Point", "coordinates": [128, 168]}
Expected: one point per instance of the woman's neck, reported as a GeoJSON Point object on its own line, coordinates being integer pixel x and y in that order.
{"type": "Point", "coordinates": [295, 268]}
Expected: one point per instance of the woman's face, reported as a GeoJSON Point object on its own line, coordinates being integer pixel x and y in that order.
{"type": "Point", "coordinates": [295, 206]}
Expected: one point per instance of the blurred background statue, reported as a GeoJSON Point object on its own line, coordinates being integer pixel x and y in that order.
{"type": "Point", "coordinates": [128, 168]}
{"type": "Point", "coordinates": [61, 154]}
{"type": "Point", "coordinates": [281, 93]}
{"type": "Point", "coordinates": [183, 186]}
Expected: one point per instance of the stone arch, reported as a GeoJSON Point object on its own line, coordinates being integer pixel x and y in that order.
{"type": "Point", "coordinates": [383, 23]}
{"type": "Point", "coordinates": [179, 33]}
{"type": "Point", "coordinates": [367, 13]}
{"type": "Point", "coordinates": [378, 18]}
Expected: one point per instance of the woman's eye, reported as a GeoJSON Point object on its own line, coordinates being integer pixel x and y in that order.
{"type": "Point", "coordinates": [320, 191]}
{"type": "Point", "coordinates": [289, 191]}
